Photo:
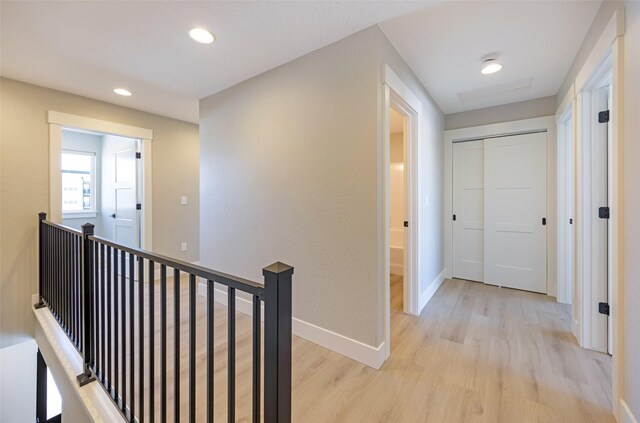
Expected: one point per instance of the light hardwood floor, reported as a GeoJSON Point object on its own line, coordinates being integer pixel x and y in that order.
{"type": "Point", "coordinates": [476, 354]}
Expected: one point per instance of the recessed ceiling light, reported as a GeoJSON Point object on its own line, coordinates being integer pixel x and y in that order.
{"type": "Point", "coordinates": [201, 35]}
{"type": "Point", "coordinates": [490, 66]}
{"type": "Point", "coordinates": [122, 91]}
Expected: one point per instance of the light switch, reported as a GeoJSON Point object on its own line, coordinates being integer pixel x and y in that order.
{"type": "Point", "coordinates": [183, 200]}
{"type": "Point", "coordinates": [183, 247]}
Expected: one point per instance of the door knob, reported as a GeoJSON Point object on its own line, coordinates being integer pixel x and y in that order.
{"type": "Point", "coordinates": [113, 215]}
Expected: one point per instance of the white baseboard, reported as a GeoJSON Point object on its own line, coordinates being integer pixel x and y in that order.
{"type": "Point", "coordinates": [356, 350]}
{"type": "Point", "coordinates": [428, 293]}
{"type": "Point", "coordinates": [625, 413]}
{"type": "Point", "coordinates": [396, 269]}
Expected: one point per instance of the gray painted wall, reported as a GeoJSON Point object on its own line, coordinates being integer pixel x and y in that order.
{"type": "Point", "coordinates": [24, 188]}
{"type": "Point", "coordinates": [290, 170]}
{"type": "Point", "coordinates": [539, 107]}
{"type": "Point", "coordinates": [599, 23]}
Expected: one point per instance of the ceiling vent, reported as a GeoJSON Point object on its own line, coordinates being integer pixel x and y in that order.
{"type": "Point", "coordinates": [499, 90]}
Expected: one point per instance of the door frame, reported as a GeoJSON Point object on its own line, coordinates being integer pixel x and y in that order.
{"type": "Point", "coordinates": [566, 115]}
{"type": "Point", "coordinates": [548, 124]}
{"type": "Point", "coordinates": [397, 95]}
{"type": "Point", "coordinates": [59, 120]}
{"type": "Point", "coordinates": [610, 47]}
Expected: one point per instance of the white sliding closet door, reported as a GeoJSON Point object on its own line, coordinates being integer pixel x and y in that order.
{"type": "Point", "coordinates": [468, 209]}
{"type": "Point", "coordinates": [515, 242]}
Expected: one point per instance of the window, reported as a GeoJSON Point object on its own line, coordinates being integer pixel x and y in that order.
{"type": "Point", "coordinates": [78, 182]}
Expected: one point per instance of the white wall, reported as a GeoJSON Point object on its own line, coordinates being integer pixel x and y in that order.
{"type": "Point", "coordinates": [90, 143]}
{"type": "Point", "coordinates": [18, 382]}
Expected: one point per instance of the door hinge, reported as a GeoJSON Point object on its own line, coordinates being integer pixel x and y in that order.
{"type": "Point", "coordinates": [454, 217]}
{"type": "Point", "coordinates": [138, 155]}
{"type": "Point", "coordinates": [138, 206]}
{"type": "Point", "coordinates": [603, 117]}
{"type": "Point", "coordinates": [603, 213]}
{"type": "Point", "coordinates": [603, 308]}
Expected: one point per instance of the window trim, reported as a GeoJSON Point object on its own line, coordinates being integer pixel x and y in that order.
{"type": "Point", "coordinates": [93, 212]}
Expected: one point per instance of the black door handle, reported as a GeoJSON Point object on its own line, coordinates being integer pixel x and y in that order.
{"type": "Point", "coordinates": [454, 217]}
{"type": "Point", "coordinates": [406, 224]}
{"type": "Point", "coordinates": [544, 221]}
{"type": "Point", "coordinates": [113, 215]}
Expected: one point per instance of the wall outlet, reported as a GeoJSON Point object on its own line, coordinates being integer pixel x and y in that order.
{"type": "Point", "coordinates": [183, 247]}
{"type": "Point", "coordinates": [183, 200]}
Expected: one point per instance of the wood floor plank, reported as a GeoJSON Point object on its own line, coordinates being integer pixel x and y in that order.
{"type": "Point", "coordinates": [477, 353]}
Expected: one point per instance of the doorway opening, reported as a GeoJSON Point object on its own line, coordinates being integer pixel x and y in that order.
{"type": "Point", "coordinates": [397, 210]}
{"type": "Point", "coordinates": [406, 109]}
{"type": "Point", "coordinates": [596, 200]}
{"type": "Point", "coordinates": [106, 168]}
{"type": "Point", "coordinates": [100, 184]}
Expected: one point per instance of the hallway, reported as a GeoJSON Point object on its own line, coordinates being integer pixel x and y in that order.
{"type": "Point", "coordinates": [476, 354]}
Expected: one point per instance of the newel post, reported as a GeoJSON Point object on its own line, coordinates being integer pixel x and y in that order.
{"type": "Point", "coordinates": [86, 305]}
{"type": "Point", "coordinates": [42, 216]}
{"type": "Point", "coordinates": [277, 343]}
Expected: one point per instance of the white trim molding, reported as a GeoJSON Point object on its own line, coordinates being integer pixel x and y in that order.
{"type": "Point", "coordinates": [430, 291]}
{"type": "Point", "coordinates": [398, 96]}
{"type": "Point", "coordinates": [87, 403]}
{"type": "Point", "coordinates": [57, 121]}
{"type": "Point", "coordinates": [370, 356]}
{"type": "Point", "coordinates": [626, 416]}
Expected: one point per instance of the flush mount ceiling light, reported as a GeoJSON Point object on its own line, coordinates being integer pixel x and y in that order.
{"type": "Point", "coordinates": [201, 35]}
{"type": "Point", "coordinates": [490, 65]}
{"type": "Point", "coordinates": [122, 91]}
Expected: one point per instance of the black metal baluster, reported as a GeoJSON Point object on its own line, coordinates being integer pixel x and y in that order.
{"type": "Point", "coordinates": [108, 365]}
{"type": "Point", "coordinates": [86, 305]}
{"type": "Point", "coordinates": [132, 336]}
{"type": "Point", "coordinates": [231, 351]}
{"type": "Point", "coordinates": [65, 281]}
{"type": "Point", "coordinates": [152, 300]}
{"type": "Point", "coordinates": [123, 311]}
{"type": "Point", "coordinates": [210, 351]}
{"type": "Point", "coordinates": [163, 343]}
{"type": "Point", "coordinates": [116, 332]}
{"type": "Point", "coordinates": [256, 358]}
{"type": "Point", "coordinates": [95, 295]}
{"type": "Point", "coordinates": [103, 294]}
{"type": "Point", "coordinates": [141, 336]}
{"type": "Point", "coordinates": [176, 345]}
{"type": "Point", "coordinates": [192, 348]}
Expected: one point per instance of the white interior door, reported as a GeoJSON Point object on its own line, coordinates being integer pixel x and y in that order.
{"type": "Point", "coordinates": [515, 242]}
{"type": "Point", "coordinates": [125, 216]}
{"type": "Point", "coordinates": [468, 210]}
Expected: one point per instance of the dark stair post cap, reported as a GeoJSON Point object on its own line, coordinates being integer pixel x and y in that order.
{"type": "Point", "coordinates": [278, 268]}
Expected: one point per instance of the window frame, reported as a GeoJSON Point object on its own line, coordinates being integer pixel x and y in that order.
{"type": "Point", "coordinates": [93, 212]}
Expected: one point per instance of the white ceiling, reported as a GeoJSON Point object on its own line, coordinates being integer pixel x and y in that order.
{"type": "Point", "coordinates": [536, 41]}
{"type": "Point", "coordinates": [89, 48]}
